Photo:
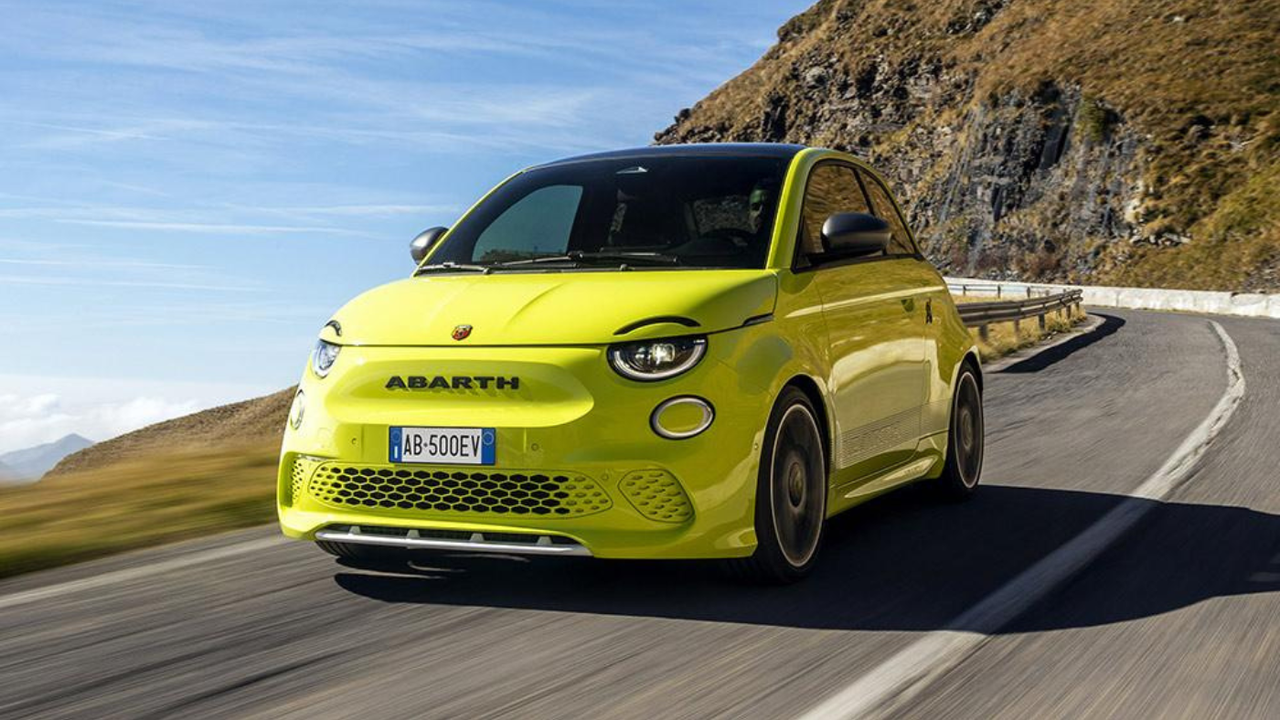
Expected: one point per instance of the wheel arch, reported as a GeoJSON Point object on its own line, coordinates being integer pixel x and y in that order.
{"type": "Point", "coordinates": [813, 391]}
{"type": "Point", "coordinates": [972, 360]}
{"type": "Point", "coordinates": [969, 359]}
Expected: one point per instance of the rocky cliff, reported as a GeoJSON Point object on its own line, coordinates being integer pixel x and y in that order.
{"type": "Point", "coordinates": [1098, 141]}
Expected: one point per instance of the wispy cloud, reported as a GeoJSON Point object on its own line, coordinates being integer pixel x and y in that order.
{"type": "Point", "coordinates": [218, 228]}
{"type": "Point", "coordinates": [26, 421]}
{"type": "Point", "coordinates": [352, 66]}
{"type": "Point", "coordinates": [354, 210]}
{"type": "Point", "coordinates": [36, 409]}
{"type": "Point", "coordinates": [100, 282]}
{"type": "Point", "coordinates": [194, 219]}
{"type": "Point", "coordinates": [100, 263]}
{"type": "Point", "coordinates": [162, 159]}
{"type": "Point", "coordinates": [71, 136]}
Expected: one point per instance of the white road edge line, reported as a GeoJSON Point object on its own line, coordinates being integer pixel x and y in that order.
{"type": "Point", "coordinates": [126, 575]}
{"type": "Point", "coordinates": [904, 675]}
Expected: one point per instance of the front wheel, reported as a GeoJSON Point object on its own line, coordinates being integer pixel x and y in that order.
{"type": "Point", "coordinates": [965, 441]}
{"type": "Point", "coordinates": [791, 495]}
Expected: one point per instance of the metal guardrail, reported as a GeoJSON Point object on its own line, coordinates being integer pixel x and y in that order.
{"type": "Point", "coordinates": [983, 314]}
{"type": "Point", "coordinates": [996, 289]}
{"type": "Point", "coordinates": [1215, 302]}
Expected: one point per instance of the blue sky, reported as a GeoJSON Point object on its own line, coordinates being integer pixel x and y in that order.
{"type": "Point", "coordinates": [191, 188]}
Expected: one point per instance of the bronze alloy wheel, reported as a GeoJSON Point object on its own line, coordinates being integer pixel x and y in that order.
{"type": "Point", "coordinates": [791, 494]}
{"type": "Point", "coordinates": [966, 440]}
{"type": "Point", "coordinates": [968, 430]}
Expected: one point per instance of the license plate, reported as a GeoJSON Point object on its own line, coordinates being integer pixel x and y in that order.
{"type": "Point", "coordinates": [442, 446]}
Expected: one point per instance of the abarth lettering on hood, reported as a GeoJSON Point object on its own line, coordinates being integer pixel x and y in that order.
{"type": "Point", "coordinates": [454, 382]}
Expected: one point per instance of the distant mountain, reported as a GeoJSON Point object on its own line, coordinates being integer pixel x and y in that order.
{"type": "Point", "coordinates": [33, 462]}
{"type": "Point", "coordinates": [260, 420]}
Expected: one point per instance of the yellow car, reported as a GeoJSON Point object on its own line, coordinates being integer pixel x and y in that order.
{"type": "Point", "coordinates": [698, 351]}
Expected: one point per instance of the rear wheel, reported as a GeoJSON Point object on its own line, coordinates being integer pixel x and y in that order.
{"type": "Point", "coordinates": [966, 440]}
{"type": "Point", "coordinates": [791, 495]}
{"type": "Point", "coordinates": [370, 556]}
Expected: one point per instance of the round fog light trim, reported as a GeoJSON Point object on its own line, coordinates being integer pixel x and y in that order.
{"type": "Point", "coordinates": [297, 410]}
{"type": "Point", "coordinates": [682, 417]}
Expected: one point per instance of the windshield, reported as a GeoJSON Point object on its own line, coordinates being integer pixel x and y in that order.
{"type": "Point", "coordinates": [651, 212]}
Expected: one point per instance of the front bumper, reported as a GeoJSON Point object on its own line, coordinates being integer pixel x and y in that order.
{"type": "Point", "coordinates": [447, 540]}
{"type": "Point", "coordinates": [576, 458]}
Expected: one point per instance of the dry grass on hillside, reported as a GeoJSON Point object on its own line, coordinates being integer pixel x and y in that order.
{"type": "Point", "coordinates": [191, 476]}
{"type": "Point", "coordinates": [1002, 339]}
{"type": "Point", "coordinates": [135, 503]}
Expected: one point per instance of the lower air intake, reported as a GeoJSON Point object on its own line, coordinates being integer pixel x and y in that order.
{"type": "Point", "coordinates": [657, 495]}
{"type": "Point", "coordinates": [449, 491]}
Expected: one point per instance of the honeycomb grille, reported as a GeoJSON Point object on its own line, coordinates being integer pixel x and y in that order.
{"type": "Point", "coordinates": [657, 495]}
{"type": "Point", "coordinates": [397, 488]}
{"type": "Point", "coordinates": [302, 468]}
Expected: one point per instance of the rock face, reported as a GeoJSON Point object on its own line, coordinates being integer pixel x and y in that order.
{"type": "Point", "coordinates": [1097, 141]}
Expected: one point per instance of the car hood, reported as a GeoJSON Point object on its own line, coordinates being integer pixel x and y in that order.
{"type": "Point", "coordinates": [560, 308]}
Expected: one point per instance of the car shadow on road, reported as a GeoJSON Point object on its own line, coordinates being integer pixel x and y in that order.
{"type": "Point", "coordinates": [1043, 359]}
{"type": "Point", "coordinates": [898, 563]}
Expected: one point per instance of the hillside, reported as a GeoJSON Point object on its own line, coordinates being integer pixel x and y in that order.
{"type": "Point", "coordinates": [1095, 141]}
{"type": "Point", "coordinates": [259, 421]}
{"type": "Point", "coordinates": [136, 490]}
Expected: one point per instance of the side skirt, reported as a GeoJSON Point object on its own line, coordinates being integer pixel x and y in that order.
{"type": "Point", "coordinates": [846, 496]}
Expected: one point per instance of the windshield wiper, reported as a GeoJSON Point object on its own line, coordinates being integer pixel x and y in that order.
{"type": "Point", "coordinates": [609, 256]}
{"type": "Point", "coordinates": [486, 269]}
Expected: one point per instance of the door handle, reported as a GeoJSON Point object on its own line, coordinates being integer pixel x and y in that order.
{"type": "Point", "coordinates": [928, 312]}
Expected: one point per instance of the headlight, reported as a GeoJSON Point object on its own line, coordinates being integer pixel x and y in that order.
{"type": "Point", "coordinates": [323, 356]}
{"type": "Point", "coordinates": [648, 360]}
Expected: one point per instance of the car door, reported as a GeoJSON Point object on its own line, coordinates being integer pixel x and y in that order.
{"type": "Point", "coordinates": [874, 321]}
{"type": "Point", "coordinates": [932, 291]}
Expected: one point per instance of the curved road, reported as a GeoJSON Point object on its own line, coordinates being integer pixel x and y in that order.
{"type": "Point", "coordinates": [1179, 618]}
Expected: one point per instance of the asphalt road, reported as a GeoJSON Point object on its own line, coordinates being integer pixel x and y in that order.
{"type": "Point", "coordinates": [1179, 618]}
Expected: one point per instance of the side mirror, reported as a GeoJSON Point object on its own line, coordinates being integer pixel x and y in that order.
{"type": "Point", "coordinates": [855, 234]}
{"type": "Point", "coordinates": [426, 240]}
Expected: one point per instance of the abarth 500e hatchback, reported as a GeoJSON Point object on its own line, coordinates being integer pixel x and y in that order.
{"type": "Point", "coordinates": [699, 351]}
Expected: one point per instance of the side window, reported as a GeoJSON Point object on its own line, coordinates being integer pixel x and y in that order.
{"type": "Point", "coordinates": [831, 189]}
{"type": "Point", "coordinates": [535, 225]}
{"type": "Point", "coordinates": [900, 242]}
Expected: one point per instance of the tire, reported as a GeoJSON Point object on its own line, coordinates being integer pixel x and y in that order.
{"type": "Point", "coordinates": [791, 495]}
{"type": "Point", "coordinates": [366, 556]}
{"type": "Point", "coordinates": [966, 440]}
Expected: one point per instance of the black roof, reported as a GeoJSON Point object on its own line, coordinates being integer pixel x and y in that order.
{"type": "Point", "coordinates": [774, 150]}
